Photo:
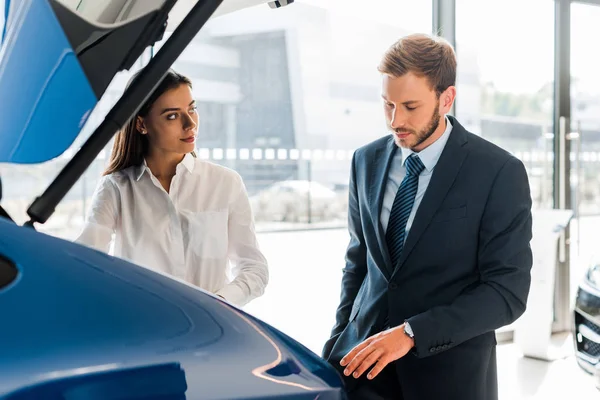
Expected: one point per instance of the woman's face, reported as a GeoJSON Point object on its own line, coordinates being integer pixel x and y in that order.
{"type": "Point", "coordinates": [172, 122]}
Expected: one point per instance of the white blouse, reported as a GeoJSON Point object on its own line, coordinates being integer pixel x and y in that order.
{"type": "Point", "coordinates": [193, 232]}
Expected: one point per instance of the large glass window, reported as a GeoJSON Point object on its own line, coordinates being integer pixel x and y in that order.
{"type": "Point", "coordinates": [505, 84]}
{"type": "Point", "coordinates": [505, 81]}
{"type": "Point", "coordinates": [585, 121]}
{"type": "Point", "coordinates": [286, 97]}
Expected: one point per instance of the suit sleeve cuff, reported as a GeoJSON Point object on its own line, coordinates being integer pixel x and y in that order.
{"type": "Point", "coordinates": [429, 339]}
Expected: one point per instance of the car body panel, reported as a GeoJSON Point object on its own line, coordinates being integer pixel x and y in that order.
{"type": "Point", "coordinates": [45, 98]}
{"type": "Point", "coordinates": [73, 312]}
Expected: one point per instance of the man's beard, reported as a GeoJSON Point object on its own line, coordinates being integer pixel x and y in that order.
{"type": "Point", "coordinates": [425, 133]}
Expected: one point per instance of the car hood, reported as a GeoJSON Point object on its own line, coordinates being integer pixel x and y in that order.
{"type": "Point", "coordinates": [69, 311]}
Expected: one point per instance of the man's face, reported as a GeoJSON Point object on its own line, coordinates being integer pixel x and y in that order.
{"type": "Point", "coordinates": [413, 111]}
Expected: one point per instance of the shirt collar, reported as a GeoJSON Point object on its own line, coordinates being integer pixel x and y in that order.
{"type": "Point", "coordinates": [188, 162]}
{"type": "Point", "coordinates": [430, 155]}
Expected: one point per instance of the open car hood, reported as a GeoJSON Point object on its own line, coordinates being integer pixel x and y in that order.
{"type": "Point", "coordinates": [57, 58]}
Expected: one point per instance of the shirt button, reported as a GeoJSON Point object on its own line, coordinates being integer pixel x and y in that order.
{"type": "Point", "coordinates": [393, 286]}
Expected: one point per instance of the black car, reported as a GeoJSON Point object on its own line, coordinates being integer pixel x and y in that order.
{"type": "Point", "coordinates": [586, 320]}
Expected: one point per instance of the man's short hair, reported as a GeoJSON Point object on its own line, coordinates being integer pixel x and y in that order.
{"type": "Point", "coordinates": [425, 56]}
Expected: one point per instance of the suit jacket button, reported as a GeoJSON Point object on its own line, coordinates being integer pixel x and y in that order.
{"type": "Point", "coordinates": [393, 286]}
{"type": "Point", "coordinates": [444, 347]}
{"type": "Point", "coordinates": [432, 350]}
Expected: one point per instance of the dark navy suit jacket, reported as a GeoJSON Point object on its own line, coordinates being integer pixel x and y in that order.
{"type": "Point", "coordinates": [464, 270]}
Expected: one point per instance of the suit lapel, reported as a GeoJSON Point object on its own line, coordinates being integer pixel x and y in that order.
{"type": "Point", "coordinates": [443, 177]}
{"type": "Point", "coordinates": [380, 168]}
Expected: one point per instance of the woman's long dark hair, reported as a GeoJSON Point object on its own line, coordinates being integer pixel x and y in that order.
{"type": "Point", "coordinates": [130, 145]}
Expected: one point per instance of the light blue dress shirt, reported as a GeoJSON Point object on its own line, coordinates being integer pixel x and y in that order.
{"type": "Point", "coordinates": [429, 157]}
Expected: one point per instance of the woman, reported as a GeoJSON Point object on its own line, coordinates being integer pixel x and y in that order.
{"type": "Point", "coordinates": [172, 212]}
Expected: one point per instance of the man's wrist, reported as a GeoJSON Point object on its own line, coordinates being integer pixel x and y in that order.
{"type": "Point", "coordinates": [409, 332]}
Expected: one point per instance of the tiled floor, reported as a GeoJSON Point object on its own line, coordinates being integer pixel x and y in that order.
{"type": "Point", "coordinates": [304, 291]}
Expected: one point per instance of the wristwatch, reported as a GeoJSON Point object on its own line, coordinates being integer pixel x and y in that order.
{"type": "Point", "coordinates": [408, 330]}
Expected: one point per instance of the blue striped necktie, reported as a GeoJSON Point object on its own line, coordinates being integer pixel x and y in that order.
{"type": "Point", "coordinates": [395, 234]}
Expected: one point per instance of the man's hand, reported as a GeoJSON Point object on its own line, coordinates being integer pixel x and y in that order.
{"type": "Point", "coordinates": [380, 349]}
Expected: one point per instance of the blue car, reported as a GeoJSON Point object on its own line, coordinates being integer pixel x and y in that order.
{"type": "Point", "coordinates": [77, 323]}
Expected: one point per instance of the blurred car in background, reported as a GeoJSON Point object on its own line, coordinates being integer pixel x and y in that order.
{"type": "Point", "coordinates": [298, 201]}
{"type": "Point", "coordinates": [586, 322]}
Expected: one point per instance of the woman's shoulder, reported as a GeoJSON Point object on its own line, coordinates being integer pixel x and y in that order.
{"type": "Point", "coordinates": [121, 175]}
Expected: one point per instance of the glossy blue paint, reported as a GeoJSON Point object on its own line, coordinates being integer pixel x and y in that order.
{"type": "Point", "coordinates": [158, 382]}
{"type": "Point", "coordinates": [45, 98]}
{"type": "Point", "coordinates": [78, 323]}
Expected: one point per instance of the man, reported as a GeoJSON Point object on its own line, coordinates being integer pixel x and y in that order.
{"type": "Point", "coordinates": [439, 256]}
